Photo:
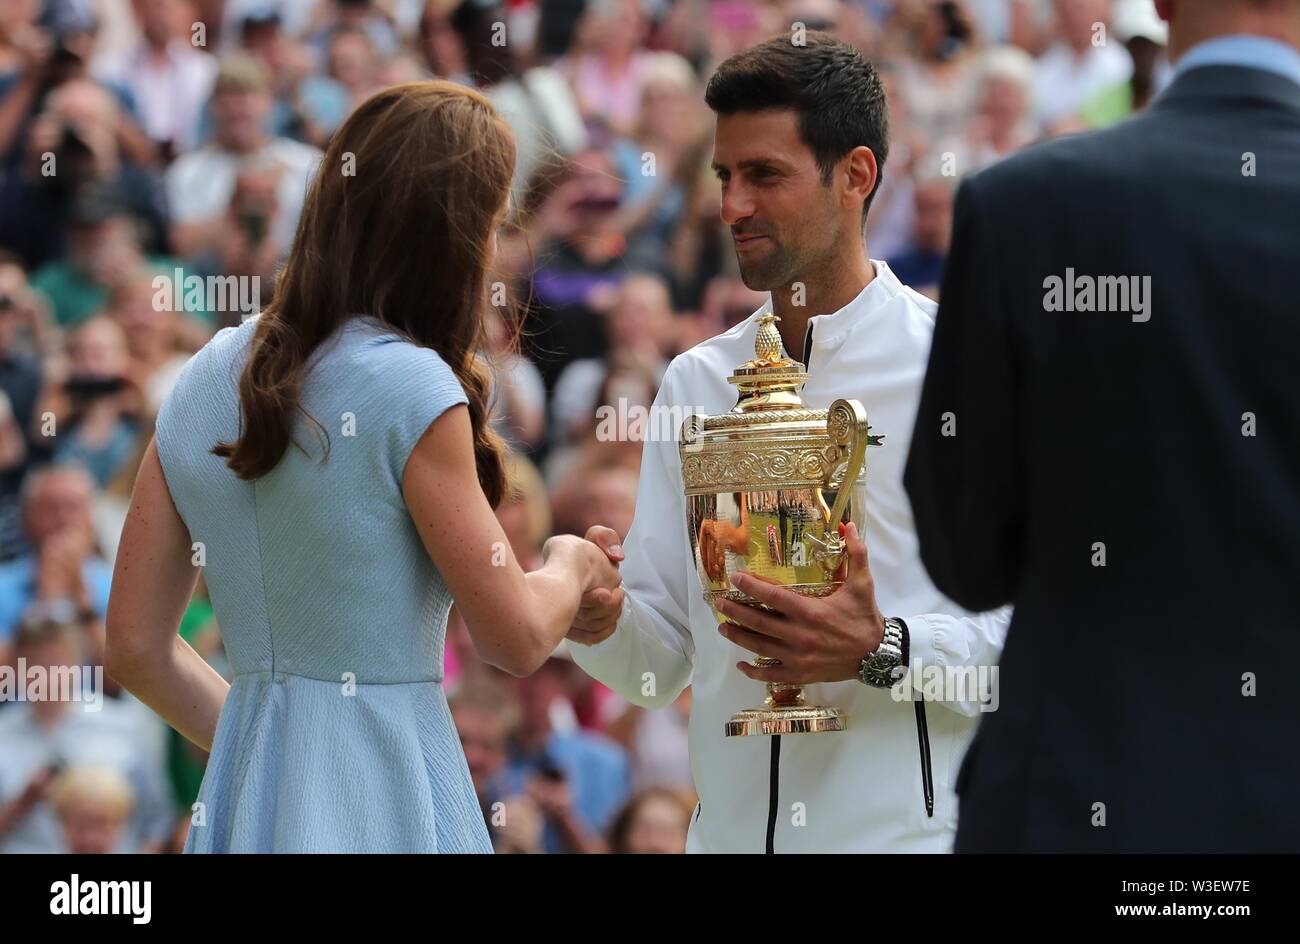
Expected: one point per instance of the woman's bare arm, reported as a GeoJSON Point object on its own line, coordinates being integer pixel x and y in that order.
{"type": "Point", "coordinates": [515, 619]}
{"type": "Point", "coordinates": [153, 580]}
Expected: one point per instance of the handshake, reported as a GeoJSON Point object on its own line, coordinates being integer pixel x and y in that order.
{"type": "Point", "coordinates": [594, 561]}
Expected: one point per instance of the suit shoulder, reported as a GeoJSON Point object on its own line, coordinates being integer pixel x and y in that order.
{"type": "Point", "coordinates": [1070, 162]}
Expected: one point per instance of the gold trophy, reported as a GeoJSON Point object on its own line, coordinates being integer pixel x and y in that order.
{"type": "Point", "coordinates": [757, 481]}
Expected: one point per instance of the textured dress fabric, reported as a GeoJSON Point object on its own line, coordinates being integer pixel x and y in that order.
{"type": "Point", "coordinates": [336, 735]}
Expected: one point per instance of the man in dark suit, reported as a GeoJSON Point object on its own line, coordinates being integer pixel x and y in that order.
{"type": "Point", "coordinates": [1109, 438]}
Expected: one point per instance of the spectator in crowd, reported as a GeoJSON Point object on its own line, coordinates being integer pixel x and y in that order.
{"type": "Point", "coordinates": [62, 562]}
{"type": "Point", "coordinates": [639, 326]}
{"type": "Point", "coordinates": [1145, 36]}
{"type": "Point", "coordinates": [18, 20]}
{"type": "Point", "coordinates": [941, 82]}
{"type": "Point", "coordinates": [94, 807]}
{"type": "Point", "coordinates": [439, 46]}
{"type": "Point", "coordinates": [536, 102]}
{"type": "Point", "coordinates": [486, 719]}
{"type": "Point", "coordinates": [354, 65]}
{"type": "Point", "coordinates": [308, 106]}
{"type": "Point", "coordinates": [656, 743]}
{"type": "Point", "coordinates": [525, 514]}
{"type": "Point", "coordinates": [518, 402]}
{"type": "Point", "coordinates": [49, 50]}
{"type": "Point", "coordinates": [95, 408]}
{"type": "Point", "coordinates": [159, 339]}
{"type": "Point", "coordinates": [40, 738]}
{"type": "Point", "coordinates": [607, 68]}
{"type": "Point", "coordinates": [169, 78]}
{"type": "Point", "coordinates": [920, 264]}
{"type": "Point", "coordinates": [363, 15]}
{"type": "Point", "coordinates": [73, 147]}
{"type": "Point", "coordinates": [203, 184]}
{"type": "Point", "coordinates": [726, 302]}
{"type": "Point", "coordinates": [661, 159]}
{"type": "Point", "coordinates": [1003, 123]}
{"type": "Point", "coordinates": [577, 779]}
{"type": "Point", "coordinates": [1079, 64]}
{"type": "Point", "coordinates": [607, 497]}
{"type": "Point", "coordinates": [580, 266]}
{"type": "Point", "coordinates": [615, 432]}
{"type": "Point", "coordinates": [25, 333]}
{"type": "Point", "coordinates": [653, 822]}
{"type": "Point", "coordinates": [27, 71]}
{"type": "Point", "coordinates": [297, 17]}
{"type": "Point", "coordinates": [103, 250]}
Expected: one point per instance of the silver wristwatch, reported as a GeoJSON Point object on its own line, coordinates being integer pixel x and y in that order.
{"type": "Point", "coordinates": [885, 666]}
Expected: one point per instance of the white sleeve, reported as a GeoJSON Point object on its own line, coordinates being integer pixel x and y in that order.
{"type": "Point", "coordinates": [972, 643]}
{"type": "Point", "coordinates": [650, 656]}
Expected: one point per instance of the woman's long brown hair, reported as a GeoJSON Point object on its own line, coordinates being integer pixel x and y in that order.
{"type": "Point", "coordinates": [397, 224]}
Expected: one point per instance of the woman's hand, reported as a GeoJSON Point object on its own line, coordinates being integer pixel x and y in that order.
{"type": "Point", "coordinates": [594, 567]}
{"type": "Point", "coordinates": [597, 616]}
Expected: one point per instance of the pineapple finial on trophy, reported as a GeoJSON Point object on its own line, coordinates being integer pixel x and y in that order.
{"type": "Point", "coordinates": [767, 342]}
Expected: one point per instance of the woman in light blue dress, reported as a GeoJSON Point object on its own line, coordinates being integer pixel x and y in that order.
{"type": "Point", "coordinates": [330, 465]}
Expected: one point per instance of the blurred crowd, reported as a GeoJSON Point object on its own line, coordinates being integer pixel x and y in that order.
{"type": "Point", "coordinates": [143, 142]}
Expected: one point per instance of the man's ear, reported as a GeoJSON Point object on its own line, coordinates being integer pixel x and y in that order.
{"type": "Point", "coordinates": [862, 172]}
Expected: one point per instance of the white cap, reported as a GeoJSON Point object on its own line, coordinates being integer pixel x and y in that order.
{"type": "Point", "coordinates": [1138, 18]}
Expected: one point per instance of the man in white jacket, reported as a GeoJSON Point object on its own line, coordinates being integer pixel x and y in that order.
{"type": "Point", "coordinates": [801, 135]}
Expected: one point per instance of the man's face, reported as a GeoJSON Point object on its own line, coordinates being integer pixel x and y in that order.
{"type": "Point", "coordinates": [62, 501]}
{"type": "Point", "coordinates": [784, 221]}
{"type": "Point", "coordinates": [1076, 17]}
{"type": "Point", "coordinates": [239, 115]}
{"type": "Point", "coordinates": [933, 215]}
{"type": "Point", "coordinates": [89, 829]}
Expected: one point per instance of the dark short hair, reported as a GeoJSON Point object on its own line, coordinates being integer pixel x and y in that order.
{"type": "Point", "coordinates": [833, 87]}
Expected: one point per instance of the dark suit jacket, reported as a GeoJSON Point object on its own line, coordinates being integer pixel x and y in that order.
{"type": "Point", "coordinates": [1159, 693]}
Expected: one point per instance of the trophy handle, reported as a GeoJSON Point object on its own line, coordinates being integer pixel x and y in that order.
{"type": "Point", "coordinates": [846, 422]}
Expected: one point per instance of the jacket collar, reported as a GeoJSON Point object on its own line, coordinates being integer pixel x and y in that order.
{"type": "Point", "coordinates": [1230, 83]}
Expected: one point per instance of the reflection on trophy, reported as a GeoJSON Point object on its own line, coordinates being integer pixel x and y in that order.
{"type": "Point", "coordinates": [757, 484]}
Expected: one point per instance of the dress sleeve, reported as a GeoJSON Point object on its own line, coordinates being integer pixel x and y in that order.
{"type": "Point", "coordinates": [415, 387]}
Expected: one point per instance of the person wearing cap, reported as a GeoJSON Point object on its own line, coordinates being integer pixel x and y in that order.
{"type": "Point", "coordinates": [1077, 65]}
{"type": "Point", "coordinates": [1125, 467]}
{"type": "Point", "coordinates": [1145, 36]}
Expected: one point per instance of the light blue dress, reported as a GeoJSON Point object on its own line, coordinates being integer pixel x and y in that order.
{"type": "Point", "coordinates": [336, 736]}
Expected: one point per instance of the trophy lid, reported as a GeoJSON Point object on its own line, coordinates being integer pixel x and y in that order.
{"type": "Point", "coordinates": [771, 380]}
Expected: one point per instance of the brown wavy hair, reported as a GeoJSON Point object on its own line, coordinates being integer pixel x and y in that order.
{"type": "Point", "coordinates": [397, 224]}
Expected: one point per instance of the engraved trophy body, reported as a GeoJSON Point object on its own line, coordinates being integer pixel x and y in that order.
{"type": "Point", "coordinates": [757, 482]}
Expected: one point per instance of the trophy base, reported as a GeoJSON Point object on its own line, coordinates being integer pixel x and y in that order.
{"type": "Point", "coordinates": [798, 719]}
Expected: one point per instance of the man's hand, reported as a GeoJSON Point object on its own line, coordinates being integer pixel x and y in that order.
{"type": "Point", "coordinates": [817, 639]}
{"type": "Point", "coordinates": [598, 614]}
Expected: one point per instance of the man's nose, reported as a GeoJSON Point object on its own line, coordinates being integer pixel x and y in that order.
{"type": "Point", "coordinates": [737, 205]}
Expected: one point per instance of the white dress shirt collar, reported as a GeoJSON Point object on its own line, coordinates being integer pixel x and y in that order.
{"type": "Point", "coordinates": [832, 327]}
